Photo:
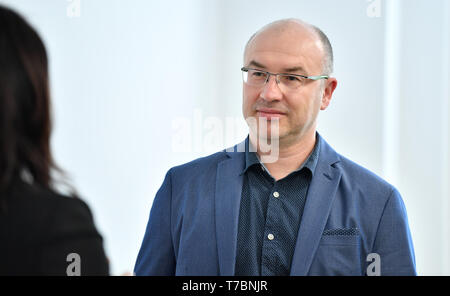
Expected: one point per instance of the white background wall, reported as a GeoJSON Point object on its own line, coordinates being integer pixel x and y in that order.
{"type": "Point", "coordinates": [129, 78]}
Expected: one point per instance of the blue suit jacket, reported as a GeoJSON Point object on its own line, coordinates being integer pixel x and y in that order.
{"type": "Point", "coordinates": [349, 213]}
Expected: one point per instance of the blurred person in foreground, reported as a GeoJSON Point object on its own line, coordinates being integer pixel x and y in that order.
{"type": "Point", "coordinates": [303, 210]}
{"type": "Point", "coordinates": [41, 232]}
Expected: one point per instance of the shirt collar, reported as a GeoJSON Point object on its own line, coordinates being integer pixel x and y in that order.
{"type": "Point", "coordinates": [251, 158]}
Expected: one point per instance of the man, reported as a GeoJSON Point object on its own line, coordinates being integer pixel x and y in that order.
{"type": "Point", "coordinates": [309, 211]}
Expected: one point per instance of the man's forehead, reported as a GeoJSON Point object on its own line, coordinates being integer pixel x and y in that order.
{"type": "Point", "coordinates": [285, 53]}
{"type": "Point", "coordinates": [284, 40]}
{"type": "Point", "coordinates": [289, 38]}
{"type": "Point", "coordinates": [290, 29]}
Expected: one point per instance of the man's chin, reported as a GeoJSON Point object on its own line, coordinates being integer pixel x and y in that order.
{"type": "Point", "coordinates": [266, 130]}
{"type": "Point", "coordinates": [268, 136]}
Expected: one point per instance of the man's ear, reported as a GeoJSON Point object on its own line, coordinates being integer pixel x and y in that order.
{"type": "Point", "coordinates": [330, 86]}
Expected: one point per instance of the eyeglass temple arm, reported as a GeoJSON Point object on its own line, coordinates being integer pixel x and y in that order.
{"type": "Point", "coordinates": [318, 77]}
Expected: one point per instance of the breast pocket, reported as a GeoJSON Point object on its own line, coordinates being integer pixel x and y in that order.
{"type": "Point", "coordinates": [337, 255]}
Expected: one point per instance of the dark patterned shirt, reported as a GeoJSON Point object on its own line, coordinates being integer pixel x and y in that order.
{"type": "Point", "coordinates": [270, 215]}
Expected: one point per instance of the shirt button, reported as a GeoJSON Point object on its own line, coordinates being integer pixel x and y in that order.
{"type": "Point", "coordinates": [270, 236]}
{"type": "Point", "coordinates": [276, 194]}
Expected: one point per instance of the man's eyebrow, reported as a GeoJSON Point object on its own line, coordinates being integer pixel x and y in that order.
{"type": "Point", "coordinates": [256, 64]}
{"type": "Point", "coordinates": [294, 69]}
{"type": "Point", "coordinates": [286, 70]}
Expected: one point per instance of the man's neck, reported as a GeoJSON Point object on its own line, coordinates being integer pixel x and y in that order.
{"type": "Point", "coordinates": [291, 155]}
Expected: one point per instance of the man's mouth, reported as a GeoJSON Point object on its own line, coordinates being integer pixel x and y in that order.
{"type": "Point", "coordinates": [269, 113]}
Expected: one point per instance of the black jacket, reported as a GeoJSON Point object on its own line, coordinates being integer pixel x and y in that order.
{"type": "Point", "coordinates": [39, 229]}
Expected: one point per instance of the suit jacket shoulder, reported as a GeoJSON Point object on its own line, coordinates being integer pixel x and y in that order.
{"type": "Point", "coordinates": [199, 171]}
{"type": "Point", "coordinates": [360, 178]}
{"type": "Point", "coordinates": [200, 164]}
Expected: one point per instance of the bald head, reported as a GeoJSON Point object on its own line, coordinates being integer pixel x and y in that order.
{"type": "Point", "coordinates": [298, 30]}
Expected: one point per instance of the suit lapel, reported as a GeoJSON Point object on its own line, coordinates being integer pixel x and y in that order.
{"type": "Point", "coordinates": [227, 203]}
{"type": "Point", "coordinates": [317, 208]}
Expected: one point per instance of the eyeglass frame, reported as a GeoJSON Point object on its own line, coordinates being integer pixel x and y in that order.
{"type": "Point", "coordinates": [314, 78]}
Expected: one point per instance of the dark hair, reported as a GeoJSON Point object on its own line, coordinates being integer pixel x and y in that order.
{"type": "Point", "coordinates": [25, 122]}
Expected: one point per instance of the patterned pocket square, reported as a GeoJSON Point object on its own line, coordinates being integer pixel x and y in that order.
{"type": "Point", "coordinates": [341, 231]}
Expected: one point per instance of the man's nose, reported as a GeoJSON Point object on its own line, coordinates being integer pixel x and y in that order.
{"type": "Point", "coordinates": [271, 90]}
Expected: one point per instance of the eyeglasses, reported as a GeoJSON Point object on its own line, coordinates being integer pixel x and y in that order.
{"type": "Point", "coordinates": [290, 81]}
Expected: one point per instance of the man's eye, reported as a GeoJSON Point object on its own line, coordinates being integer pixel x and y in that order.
{"type": "Point", "coordinates": [259, 74]}
{"type": "Point", "coordinates": [292, 78]}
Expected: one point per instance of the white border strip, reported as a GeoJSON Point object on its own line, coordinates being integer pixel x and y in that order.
{"type": "Point", "coordinates": [391, 91]}
{"type": "Point", "coordinates": [445, 138]}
